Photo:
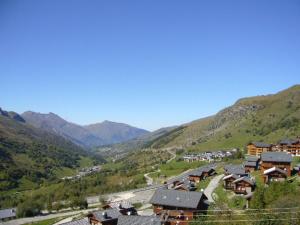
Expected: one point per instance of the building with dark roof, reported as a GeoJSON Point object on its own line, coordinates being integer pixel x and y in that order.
{"type": "Point", "coordinates": [139, 220]}
{"type": "Point", "coordinates": [251, 163]}
{"type": "Point", "coordinates": [290, 146]}
{"type": "Point", "coordinates": [184, 204]}
{"type": "Point", "coordinates": [235, 169]}
{"type": "Point", "coordinates": [274, 174]}
{"type": "Point", "coordinates": [243, 185]}
{"type": "Point", "coordinates": [8, 214]}
{"type": "Point", "coordinates": [228, 181]}
{"type": "Point", "coordinates": [256, 148]}
{"type": "Point", "coordinates": [84, 221]}
{"type": "Point", "coordinates": [105, 217]}
{"type": "Point", "coordinates": [280, 160]}
{"type": "Point", "coordinates": [124, 207]}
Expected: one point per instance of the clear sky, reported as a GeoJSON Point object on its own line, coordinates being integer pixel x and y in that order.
{"type": "Point", "coordinates": [147, 63]}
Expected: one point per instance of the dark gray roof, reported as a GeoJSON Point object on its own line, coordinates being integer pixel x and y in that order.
{"type": "Point", "coordinates": [7, 213]}
{"type": "Point", "coordinates": [110, 214]}
{"type": "Point", "coordinates": [139, 220]}
{"type": "Point", "coordinates": [271, 170]}
{"type": "Point", "coordinates": [235, 169]}
{"type": "Point", "coordinates": [246, 179]}
{"type": "Point", "coordinates": [276, 157]}
{"type": "Point", "coordinates": [252, 159]}
{"type": "Point", "coordinates": [182, 199]}
{"type": "Point", "coordinates": [84, 221]}
{"type": "Point", "coordinates": [121, 205]}
{"type": "Point", "coordinates": [250, 163]}
{"type": "Point", "coordinates": [261, 144]}
{"type": "Point", "coordinates": [288, 142]}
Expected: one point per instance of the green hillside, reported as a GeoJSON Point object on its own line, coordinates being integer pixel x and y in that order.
{"type": "Point", "coordinates": [30, 156]}
{"type": "Point", "coordinates": [262, 118]}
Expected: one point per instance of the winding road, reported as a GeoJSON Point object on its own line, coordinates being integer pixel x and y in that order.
{"type": "Point", "coordinates": [213, 184]}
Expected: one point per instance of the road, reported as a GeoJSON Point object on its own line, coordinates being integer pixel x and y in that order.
{"type": "Point", "coordinates": [40, 218]}
{"type": "Point", "coordinates": [213, 184]}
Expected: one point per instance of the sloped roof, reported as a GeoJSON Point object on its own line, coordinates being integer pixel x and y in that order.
{"type": "Point", "coordinates": [139, 220]}
{"type": "Point", "coordinates": [250, 163]}
{"type": "Point", "coordinates": [252, 159]}
{"type": "Point", "coordinates": [7, 213]}
{"type": "Point", "coordinates": [275, 169]}
{"type": "Point", "coordinates": [246, 179]}
{"type": "Point", "coordinates": [231, 175]}
{"type": "Point", "coordinates": [111, 214]}
{"type": "Point", "coordinates": [84, 221]}
{"type": "Point", "coordinates": [276, 157]}
{"type": "Point", "coordinates": [261, 145]}
{"type": "Point", "coordinates": [288, 142]}
{"type": "Point", "coordinates": [183, 199]}
{"type": "Point", "coordinates": [235, 169]}
{"type": "Point", "coordinates": [121, 205]}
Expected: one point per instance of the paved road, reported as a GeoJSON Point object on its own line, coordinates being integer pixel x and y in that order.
{"type": "Point", "coordinates": [40, 218]}
{"type": "Point", "coordinates": [213, 184]}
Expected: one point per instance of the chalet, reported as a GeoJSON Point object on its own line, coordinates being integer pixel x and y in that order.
{"type": "Point", "coordinates": [185, 185]}
{"type": "Point", "coordinates": [243, 185]}
{"type": "Point", "coordinates": [8, 214]}
{"type": "Point", "coordinates": [235, 169]}
{"type": "Point", "coordinates": [84, 221]}
{"type": "Point", "coordinates": [124, 207]}
{"type": "Point", "coordinates": [279, 160]}
{"type": "Point", "coordinates": [257, 148]}
{"type": "Point", "coordinates": [139, 220]}
{"type": "Point", "coordinates": [290, 146]}
{"type": "Point", "coordinates": [105, 217]}
{"type": "Point", "coordinates": [251, 164]}
{"type": "Point", "coordinates": [274, 174]}
{"type": "Point", "coordinates": [228, 181]}
{"type": "Point", "coordinates": [180, 205]}
{"type": "Point", "coordinates": [201, 173]}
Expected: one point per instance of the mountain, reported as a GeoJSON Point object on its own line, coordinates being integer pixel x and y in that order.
{"type": "Point", "coordinates": [112, 132]}
{"type": "Point", "coordinates": [87, 136]}
{"type": "Point", "coordinates": [266, 118]}
{"type": "Point", "coordinates": [29, 155]}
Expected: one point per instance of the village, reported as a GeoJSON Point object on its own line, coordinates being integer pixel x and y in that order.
{"type": "Point", "coordinates": [180, 200]}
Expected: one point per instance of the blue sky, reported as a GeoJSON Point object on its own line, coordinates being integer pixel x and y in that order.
{"type": "Point", "coordinates": [147, 63]}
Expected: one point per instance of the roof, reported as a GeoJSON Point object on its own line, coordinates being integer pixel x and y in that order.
{"type": "Point", "coordinates": [183, 199]}
{"type": "Point", "coordinates": [7, 213]}
{"type": "Point", "coordinates": [235, 169]}
{"type": "Point", "coordinates": [139, 220]}
{"type": "Point", "coordinates": [275, 169]}
{"type": "Point", "coordinates": [276, 157]}
{"type": "Point", "coordinates": [246, 179]}
{"type": "Point", "coordinates": [121, 205]}
{"type": "Point", "coordinates": [252, 159]}
{"type": "Point", "coordinates": [288, 142]}
{"type": "Point", "coordinates": [261, 144]}
{"type": "Point", "coordinates": [250, 163]}
{"type": "Point", "coordinates": [231, 175]}
{"type": "Point", "coordinates": [200, 170]}
{"type": "Point", "coordinates": [111, 214]}
{"type": "Point", "coordinates": [84, 221]}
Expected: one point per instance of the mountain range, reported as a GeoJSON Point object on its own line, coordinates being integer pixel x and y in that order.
{"type": "Point", "coordinates": [92, 135]}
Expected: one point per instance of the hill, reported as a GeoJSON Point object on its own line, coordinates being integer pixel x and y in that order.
{"type": "Point", "coordinates": [262, 118]}
{"type": "Point", "coordinates": [29, 155]}
{"type": "Point", "coordinates": [87, 136]}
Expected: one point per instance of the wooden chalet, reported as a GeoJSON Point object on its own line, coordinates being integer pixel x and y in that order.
{"type": "Point", "coordinates": [243, 185]}
{"type": "Point", "coordinates": [185, 185]}
{"type": "Point", "coordinates": [124, 207]}
{"type": "Point", "coordinates": [251, 164]}
{"type": "Point", "coordinates": [280, 160]}
{"type": "Point", "coordinates": [178, 206]}
{"type": "Point", "coordinates": [290, 146]}
{"type": "Point", "coordinates": [274, 174]}
{"type": "Point", "coordinates": [257, 148]}
{"type": "Point", "coordinates": [105, 217]}
{"type": "Point", "coordinates": [228, 181]}
{"type": "Point", "coordinates": [201, 174]}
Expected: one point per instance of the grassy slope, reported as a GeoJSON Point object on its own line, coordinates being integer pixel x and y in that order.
{"type": "Point", "coordinates": [262, 118]}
